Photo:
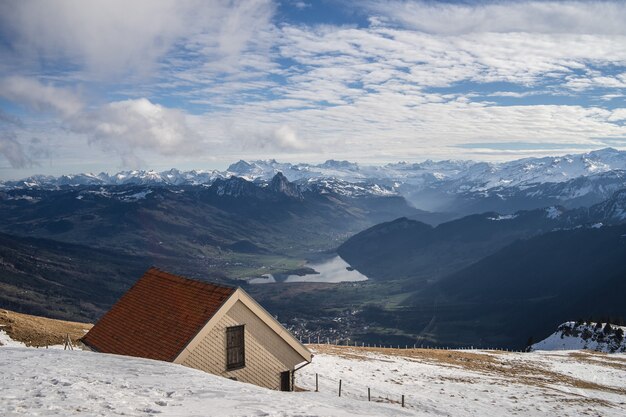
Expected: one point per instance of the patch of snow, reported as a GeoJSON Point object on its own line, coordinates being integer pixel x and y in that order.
{"type": "Point", "coordinates": [24, 197]}
{"type": "Point", "coordinates": [5, 340]}
{"type": "Point", "coordinates": [553, 212]}
{"type": "Point", "coordinates": [597, 225]}
{"type": "Point", "coordinates": [503, 217]}
{"type": "Point", "coordinates": [136, 196]}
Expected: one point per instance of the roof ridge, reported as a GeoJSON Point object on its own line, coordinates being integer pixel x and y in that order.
{"type": "Point", "coordinates": [184, 280]}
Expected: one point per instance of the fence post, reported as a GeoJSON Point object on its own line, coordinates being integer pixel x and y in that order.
{"type": "Point", "coordinates": [402, 400]}
{"type": "Point", "coordinates": [368, 394]}
{"type": "Point", "coordinates": [340, 387]}
{"type": "Point", "coordinates": [316, 383]}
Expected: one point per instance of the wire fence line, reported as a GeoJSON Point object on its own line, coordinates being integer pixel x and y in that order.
{"type": "Point", "coordinates": [344, 388]}
{"type": "Point", "coordinates": [350, 343]}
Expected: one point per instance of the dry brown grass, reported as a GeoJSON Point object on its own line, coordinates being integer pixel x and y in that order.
{"type": "Point", "coordinates": [40, 331]}
{"type": "Point", "coordinates": [504, 367]}
{"type": "Point", "coordinates": [599, 358]}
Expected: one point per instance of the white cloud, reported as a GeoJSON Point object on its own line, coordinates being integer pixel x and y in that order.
{"type": "Point", "coordinates": [577, 17]}
{"type": "Point", "coordinates": [130, 125]}
{"type": "Point", "coordinates": [594, 79]}
{"type": "Point", "coordinates": [115, 37]}
{"type": "Point", "coordinates": [301, 5]}
{"type": "Point", "coordinates": [409, 85]}
{"type": "Point", "coordinates": [12, 150]}
{"type": "Point", "coordinates": [513, 94]}
{"type": "Point", "coordinates": [285, 138]}
{"type": "Point", "coordinates": [38, 96]}
{"type": "Point", "coordinates": [618, 115]}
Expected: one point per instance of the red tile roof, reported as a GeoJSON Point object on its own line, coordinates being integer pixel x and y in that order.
{"type": "Point", "coordinates": [157, 317]}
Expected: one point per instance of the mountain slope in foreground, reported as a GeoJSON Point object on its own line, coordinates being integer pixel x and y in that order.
{"type": "Point", "coordinates": [55, 382]}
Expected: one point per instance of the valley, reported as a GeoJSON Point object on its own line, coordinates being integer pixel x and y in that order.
{"type": "Point", "coordinates": [333, 259]}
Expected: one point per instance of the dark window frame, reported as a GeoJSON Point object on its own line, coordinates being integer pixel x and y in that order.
{"type": "Point", "coordinates": [235, 347]}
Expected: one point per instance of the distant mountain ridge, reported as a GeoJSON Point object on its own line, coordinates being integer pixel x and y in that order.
{"type": "Point", "coordinates": [462, 187]}
{"type": "Point", "coordinates": [481, 175]}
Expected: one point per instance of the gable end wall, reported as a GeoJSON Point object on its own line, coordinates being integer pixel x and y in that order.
{"type": "Point", "coordinates": [267, 354]}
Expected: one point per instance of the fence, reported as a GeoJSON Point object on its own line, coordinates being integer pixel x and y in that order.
{"type": "Point", "coordinates": [344, 390]}
{"type": "Point", "coordinates": [361, 392]}
{"type": "Point", "coordinates": [350, 343]}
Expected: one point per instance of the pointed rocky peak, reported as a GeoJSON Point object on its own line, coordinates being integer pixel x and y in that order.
{"type": "Point", "coordinates": [280, 184]}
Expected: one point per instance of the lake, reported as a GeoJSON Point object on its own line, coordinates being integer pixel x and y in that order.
{"type": "Point", "coordinates": [330, 270]}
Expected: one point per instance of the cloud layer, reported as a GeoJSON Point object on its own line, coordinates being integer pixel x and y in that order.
{"type": "Point", "coordinates": [216, 80]}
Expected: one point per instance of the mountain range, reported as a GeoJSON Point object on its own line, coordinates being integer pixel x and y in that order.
{"type": "Point", "coordinates": [458, 187]}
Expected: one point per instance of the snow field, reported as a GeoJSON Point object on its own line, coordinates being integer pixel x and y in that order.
{"type": "Point", "coordinates": [47, 382]}
{"type": "Point", "coordinates": [53, 382]}
{"type": "Point", "coordinates": [454, 383]}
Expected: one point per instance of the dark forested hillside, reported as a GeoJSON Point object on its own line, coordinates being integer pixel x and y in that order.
{"type": "Point", "coordinates": [530, 286]}
{"type": "Point", "coordinates": [61, 280]}
{"type": "Point", "coordinates": [408, 249]}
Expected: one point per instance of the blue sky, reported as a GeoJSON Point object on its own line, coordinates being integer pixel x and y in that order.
{"type": "Point", "coordinates": [153, 84]}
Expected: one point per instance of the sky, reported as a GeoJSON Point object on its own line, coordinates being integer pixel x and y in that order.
{"type": "Point", "coordinates": [91, 86]}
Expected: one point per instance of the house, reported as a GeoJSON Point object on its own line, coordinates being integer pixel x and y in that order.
{"type": "Point", "coordinates": [214, 328]}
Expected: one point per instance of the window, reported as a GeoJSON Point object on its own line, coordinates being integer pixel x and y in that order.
{"type": "Point", "coordinates": [235, 348]}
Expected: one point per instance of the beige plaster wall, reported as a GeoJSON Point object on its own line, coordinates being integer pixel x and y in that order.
{"type": "Point", "coordinates": [267, 354]}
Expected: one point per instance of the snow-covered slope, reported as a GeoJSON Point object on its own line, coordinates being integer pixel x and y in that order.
{"type": "Point", "coordinates": [75, 383]}
{"type": "Point", "coordinates": [592, 336]}
{"type": "Point", "coordinates": [434, 382]}
{"type": "Point", "coordinates": [475, 383]}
